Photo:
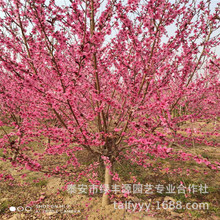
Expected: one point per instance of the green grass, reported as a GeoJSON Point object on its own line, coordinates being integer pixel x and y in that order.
{"type": "Point", "coordinates": [205, 155]}
{"type": "Point", "coordinates": [150, 156]}
{"type": "Point", "coordinates": [214, 209]}
{"type": "Point", "coordinates": [39, 183]}
{"type": "Point", "coordinates": [124, 168]}
{"type": "Point", "coordinates": [1, 153]}
{"type": "Point", "coordinates": [4, 206]}
{"type": "Point", "coordinates": [195, 214]}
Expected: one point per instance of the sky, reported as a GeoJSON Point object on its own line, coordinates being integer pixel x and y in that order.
{"type": "Point", "coordinates": [171, 29]}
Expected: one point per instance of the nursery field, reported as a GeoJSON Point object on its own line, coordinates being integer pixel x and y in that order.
{"type": "Point", "coordinates": [109, 110]}
{"type": "Point", "coordinates": [51, 201]}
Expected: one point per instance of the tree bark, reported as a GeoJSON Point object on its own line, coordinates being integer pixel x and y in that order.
{"type": "Point", "coordinates": [108, 183]}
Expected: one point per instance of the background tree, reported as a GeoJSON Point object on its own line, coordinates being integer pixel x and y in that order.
{"type": "Point", "coordinates": [106, 78]}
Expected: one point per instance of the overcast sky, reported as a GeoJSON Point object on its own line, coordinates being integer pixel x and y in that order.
{"type": "Point", "coordinates": [171, 29]}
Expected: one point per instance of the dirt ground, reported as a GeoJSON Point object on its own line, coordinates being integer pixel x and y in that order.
{"type": "Point", "coordinates": [51, 202]}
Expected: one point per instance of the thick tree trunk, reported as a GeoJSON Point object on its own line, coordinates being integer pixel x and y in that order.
{"type": "Point", "coordinates": [108, 183]}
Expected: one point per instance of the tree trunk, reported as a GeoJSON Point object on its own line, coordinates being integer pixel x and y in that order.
{"type": "Point", "coordinates": [108, 183]}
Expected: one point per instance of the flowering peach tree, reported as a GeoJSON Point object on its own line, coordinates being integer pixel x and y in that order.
{"type": "Point", "coordinates": [113, 78]}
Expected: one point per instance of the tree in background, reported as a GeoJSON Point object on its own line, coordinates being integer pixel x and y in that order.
{"type": "Point", "coordinates": [113, 78]}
